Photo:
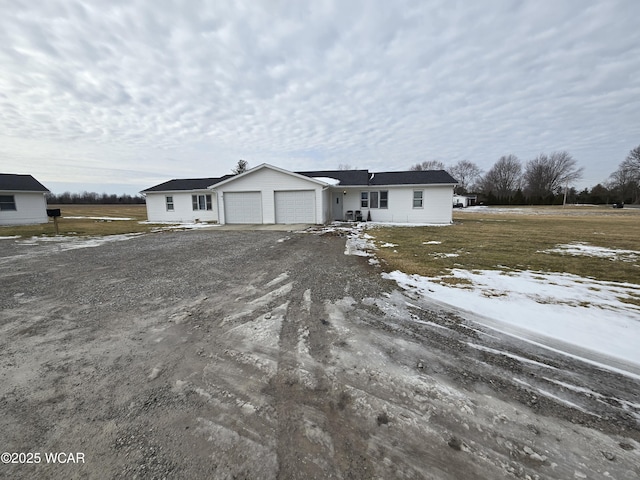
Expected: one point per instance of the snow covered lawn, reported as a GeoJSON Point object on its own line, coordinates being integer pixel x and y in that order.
{"type": "Point", "coordinates": [598, 316]}
{"type": "Point", "coordinates": [588, 313]}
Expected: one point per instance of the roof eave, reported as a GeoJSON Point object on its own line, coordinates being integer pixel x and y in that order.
{"type": "Point", "coordinates": [15, 190]}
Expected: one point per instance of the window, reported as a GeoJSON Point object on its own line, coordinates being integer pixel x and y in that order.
{"type": "Point", "coordinates": [201, 202]}
{"type": "Point", "coordinates": [384, 199]}
{"type": "Point", "coordinates": [7, 202]}
{"type": "Point", "coordinates": [364, 199]}
{"type": "Point", "coordinates": [374, 199]}
{"type": "Point", "coordinates": [169, 203]}
{"type": "Point", "coordinates": [417, 199]}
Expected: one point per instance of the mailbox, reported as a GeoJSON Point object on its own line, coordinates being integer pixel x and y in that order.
{"type": "Point", "coordinates": [53, 212]}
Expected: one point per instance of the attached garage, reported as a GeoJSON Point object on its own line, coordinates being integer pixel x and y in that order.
{"type": "Point", "coordinates": [269, 195]}
{"type": "Point", "coordinates": [295, 206]}
{"type": "Point", "coordinates": [243, 207]}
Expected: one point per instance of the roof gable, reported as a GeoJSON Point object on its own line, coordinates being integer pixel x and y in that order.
{"type": "Point", "coordinates": [271, 167]}
{"type": "Point", "coordinates": [20, 183]}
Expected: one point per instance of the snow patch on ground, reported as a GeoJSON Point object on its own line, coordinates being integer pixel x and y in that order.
{"type": "Point", "coordinates": [510, 355]}
{"type": "Point", "coordinates": [485, 209]}
{"type": "Point", "coordinates": [584, 249]}
{"type": "Point", "coordinates": [432, 242]}
{"type": "Point", "coordinates": [553, 396]}
{"type": "Point", "coordinates": [576, 310]}
{"type": "Point", "coordinates": [10, 237]}
{"type": "Point", "coordinates": [358, 242]}
{"type": "Point", "coordinates": [72, 243]}
{"type": "Point", "coordinates": [631, 407]}
{"type": "Point", "coordinates": [444, 255]}
{"type": "Point", "coordinates": [396, 224]}
{"type": "Point", "coordinates": [181, 226]}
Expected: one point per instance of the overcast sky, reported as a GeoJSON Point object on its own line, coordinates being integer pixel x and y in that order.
{"type": "Point", "coordinates": [117, 96]}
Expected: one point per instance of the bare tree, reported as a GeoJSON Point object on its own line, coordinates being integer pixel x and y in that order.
{"type": "Point", "coordinates": [625, 181]}
{"type": "Point", "coordinates": [504, 178]}
{"type": "Point", "coordinates": [466, 173]}
{"type": "Point", "coordinates": [428, 165]}
{"type": "Point", "coordinates": [241, 167]}
{"type": "Point", "coordinates": [548, 175]}
{"type": "Point", "coordinates": [632, 161]}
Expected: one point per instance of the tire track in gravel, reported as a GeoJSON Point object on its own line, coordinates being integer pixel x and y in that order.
{"type": "Point", "coordinates": [316, 437]}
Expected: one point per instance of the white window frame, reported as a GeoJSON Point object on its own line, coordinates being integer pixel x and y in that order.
{"type": "Point", "coordinates": [419, 198]}
{"type": "Point", "coordinates": [385, 199]}
{"type": "Point", "coordinates": [364, 199]}
{"type": "Point", "coordinates": [169, 203]}
{"type": "Point", "coordinates": [373, 199]}
{"type": "Point", "coordinates": [8, 203]}
{"type": "Point", "coordinates": [201, 201]}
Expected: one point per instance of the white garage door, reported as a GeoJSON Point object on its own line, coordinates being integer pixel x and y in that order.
{"type": "Point", "coordinates": [296, 206]}
{"type": "Point", "coordinates": [242, 207]}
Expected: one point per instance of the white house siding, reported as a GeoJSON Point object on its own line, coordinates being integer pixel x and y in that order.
{"type": "Point", "coordinates": [327, 206]}
{"type": "Point", "coordinates": [183, 211]}
{"type": "Point", "coordinates": [437, 203]}
{"type": "Point", "coordinates": [268, 181]}
{"type": "Point", "coordinates": [31, 208]}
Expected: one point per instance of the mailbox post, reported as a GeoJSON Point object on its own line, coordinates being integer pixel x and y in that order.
{"type": "Point", "coordinates": [54, 213]}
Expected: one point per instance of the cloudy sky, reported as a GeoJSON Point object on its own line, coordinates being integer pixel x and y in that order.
{"type": "Point", "coordinates": [118, 96]}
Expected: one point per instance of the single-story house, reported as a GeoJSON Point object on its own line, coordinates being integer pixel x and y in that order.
{"type": "Point", "coordinates": [464, 201]}
{"type": "Point", "coordinates": [22, 200]}
{"type": "Point", "coordinates": [268, 194]}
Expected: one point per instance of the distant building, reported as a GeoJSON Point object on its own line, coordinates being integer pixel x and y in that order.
{"type": "Point", "coordinates": [463, 201]}
{"type": "Point", "coordinates": [22, 200]}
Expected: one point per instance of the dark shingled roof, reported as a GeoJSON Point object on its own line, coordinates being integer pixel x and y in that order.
{"type": "Point", "coordinates": [364, 177]}
{"type": "Point", "coordinates": [20, 183]}
{"type": "Point", "coordinates": [420, 177]}
{"type": "Point", "coordinates": [186, 184]}
{"type": "Point", "coordinates": [346, 177]}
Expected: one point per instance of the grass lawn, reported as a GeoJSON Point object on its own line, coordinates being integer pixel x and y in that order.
{"type": "Point", "coordinates": [68, 225]}
{"type": "Point", "coordinates": [505, 239]}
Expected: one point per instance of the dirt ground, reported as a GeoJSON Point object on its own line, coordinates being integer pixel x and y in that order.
{"type": "Point", "coordinates": [263, 355]}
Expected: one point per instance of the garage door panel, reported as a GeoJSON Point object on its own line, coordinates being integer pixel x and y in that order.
{"type": "Point", "coordinates": [243, 207]}
{"type": "Point", "coordinates": [295, 206]}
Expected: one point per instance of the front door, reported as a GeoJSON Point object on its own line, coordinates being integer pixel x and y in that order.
{"type": "Point", "coordinates": [338, 213]}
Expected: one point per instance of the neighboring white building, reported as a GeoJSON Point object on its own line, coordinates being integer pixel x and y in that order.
{"type": "Point", "coordinates": [268, 194]}
{"type": "Point", "coordinates": [22, 200]}
{"type": "Point", "coordinates": [464, 200]}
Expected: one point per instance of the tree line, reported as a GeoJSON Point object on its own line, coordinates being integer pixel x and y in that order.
{"type": "Point", "coordinates": [546, 179]}
{"type": "Point", "coordinates": [93, 198]}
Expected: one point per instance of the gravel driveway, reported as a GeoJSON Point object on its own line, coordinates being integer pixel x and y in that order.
{"type": "Point", "coordinates": [260, 355]}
